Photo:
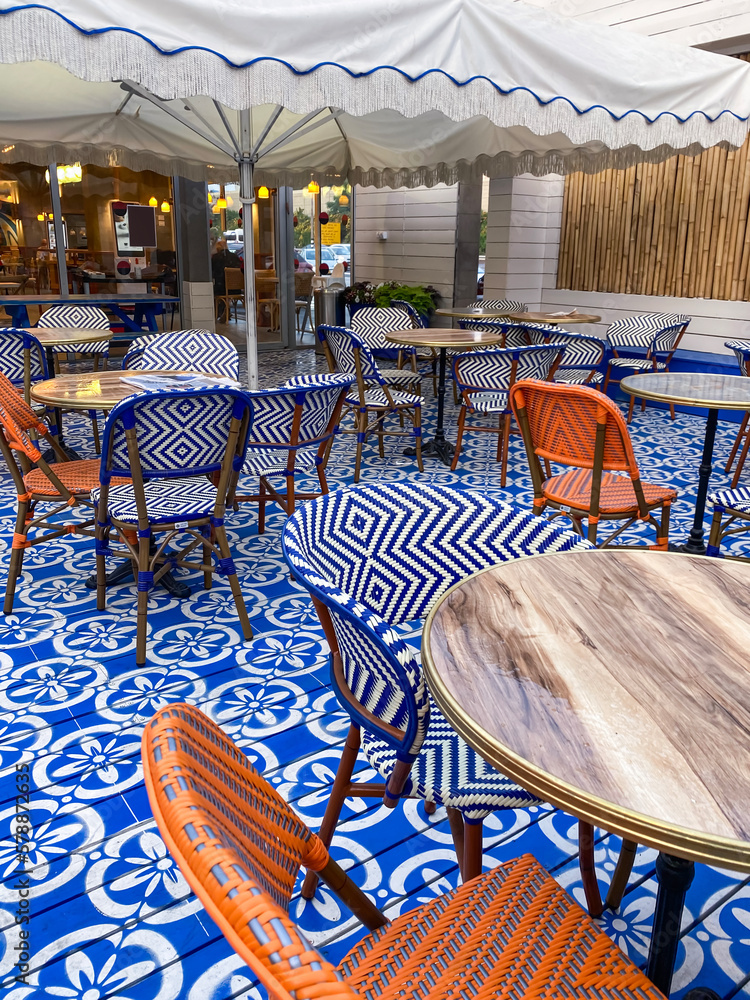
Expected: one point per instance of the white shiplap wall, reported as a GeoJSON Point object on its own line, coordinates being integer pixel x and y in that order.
{"type": "Point", "coordinates": [523, 235]}
{"type": "Point", "coordinates": [721, 25]}
{"type": "Point", "coordinates": [421, 247]}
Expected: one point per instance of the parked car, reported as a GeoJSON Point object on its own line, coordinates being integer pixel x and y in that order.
{"type": "Point", "coordinates": [326, 256]}
{"type": "Point", "coordinates": [300, 261]}
{"type": "Point", "coordinates": [480, 280]}
{"type": "Point", "coordinates": [342, 250]}
{"type": "Point", "coordinates": [235, 239]}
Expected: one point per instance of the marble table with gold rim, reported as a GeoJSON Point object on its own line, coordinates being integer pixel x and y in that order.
{"type": "Point", "coordinates": [616, 685]}
{"type": "Point", "coordinates": [90, 390]}
{"type": "Point", "coordinates": [441, 340]}
{"type": "Point", "coordinates": [703, 390]}
{"type": "Point", "coordinates": [548, 319]}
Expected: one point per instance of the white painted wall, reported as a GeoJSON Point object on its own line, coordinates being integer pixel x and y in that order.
{"type": "Point", "coordinates": [523, 236]}
{"type": "Point", "coordinates": [525, 213]}
{"type": "Point", "coordinates": [421, 247]}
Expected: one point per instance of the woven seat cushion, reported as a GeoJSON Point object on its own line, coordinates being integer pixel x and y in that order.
{"type": "Point", "coordinates": [79, 477]}
{"type": "Point", "coordinates": [273, 461]}
{"type": "Point", "coordinates": [447, 771]}
{"type": "Point", "coordinates": [512, 934]}
{"type": "Point", "coordinates": [489, 402]}
{"type": "Point", "coordinates": [573, 489]}
{"type": "Point", "coordinates": [640, 363]}
{"type": "Point", "coordinates": [735, 500]}
{"type": "Point", "coordinates": [577, 376]}
{"type": "Point", "coordinates": [377, 398]}
{"type": "Point", "coordinates": [167, 500]}
{"type": "Point", "coordinates": [403, 378]}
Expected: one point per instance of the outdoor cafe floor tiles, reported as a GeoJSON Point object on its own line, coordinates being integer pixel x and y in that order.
{"type": "Point", "coordinates": [111, 917]}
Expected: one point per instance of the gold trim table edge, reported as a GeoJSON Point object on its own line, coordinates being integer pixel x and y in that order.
{"type": "Point", "coordinates": [649, 831]}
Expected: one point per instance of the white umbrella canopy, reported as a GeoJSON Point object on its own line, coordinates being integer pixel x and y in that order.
{"type": "Point", "coordinates": [404, 92]}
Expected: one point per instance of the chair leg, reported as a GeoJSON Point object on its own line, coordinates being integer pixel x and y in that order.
{"type": "Point", "coordinates": [340, 787]}
{"type": "Point", "coordinates": [361, 428]}
{"type": "Point", "coordinates": [95, 428]}
{"type": "Point", "coordinates": [261, 507]}
{"type": "Point", "coordinates": [741, 462]}
{"type": "Point", "coordinates": [472, 849]}
{"type": "Point", "coordinates": [713, 538]}
{"type": "Point", "coordinates": [619, 882]}
{"type": "Point", "coordinates": [506, 447]}
{"type": "Point", "coordinates": [459, 438]}
{"type": "Point", "coordinates": [226, 558]}
{"type": "Point", "coordinates": [456, 822]}
{"type": "Point", "coordinates": [208, 577]}
{"type": "Point", "coordinates": [735, 446]}
{"type": "Point", "coordinates": [102, 536]}
{"type": "Point", "coordinates": [418, 436]}
{"type": "Point", "coordinates": [588, 871]}
{"type": "Point", "coordinates": [144, 588]}
{"type": "Point", "coordinates": [16, 555]}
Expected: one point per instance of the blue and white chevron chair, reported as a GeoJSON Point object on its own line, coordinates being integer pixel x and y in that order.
{"type": "Point", "coordinates": [508, 304]}
{"type": "Point", "coordinates": [194, 351]}
{"type": "Point", "coordinates": [134, 357]}
{"type": "Point", "coordinates": [19, 348]}
{"type": "Point", "coordinates": [660, 335]}
{"type": "Point", "coordinates": [513, 334]}
{"type": "Point", "coordinates": [169, 443]}
{"type": "Point", "coordinates": [78, 317]}
{"type": "Point", "coordinates": [734, 504]}
{"type": "Point", "coordinates": [741, 351]}
{"type": "Point", "coordinates": [349, 355]}
{"type": "Point", "coordinates": [484, 379]}
{"type": "Point", "coordinates": [375, 557]}
{"type": "Point", "coordinates": [371, 324]}
{"type": "Point", "coordinates": [292, 434]}
{"type": "Point", "coordinates": [581, 363]}
{"type": "Point", "coordinates": [428, 354]}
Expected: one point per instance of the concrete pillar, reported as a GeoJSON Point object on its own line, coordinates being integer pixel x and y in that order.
{"type": "Point", "coordinates": [191, 221]}
{"type": "Point", "coordinates": [468, 223]}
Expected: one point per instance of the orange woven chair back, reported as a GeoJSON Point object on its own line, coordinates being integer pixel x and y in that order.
{"type": "Point", "coordinates": [562, 423]}
{"type": "Point", "coordinates": [16, 418]}
{"type": "Point", "coordinates": [240, 847]}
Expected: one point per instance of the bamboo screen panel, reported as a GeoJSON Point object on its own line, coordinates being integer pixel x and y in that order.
{"type": "Point", "coordinates": [678, 228]}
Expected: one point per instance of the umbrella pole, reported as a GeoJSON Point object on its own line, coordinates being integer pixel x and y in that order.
{"type": "Point", "coordinates": [247, 198]}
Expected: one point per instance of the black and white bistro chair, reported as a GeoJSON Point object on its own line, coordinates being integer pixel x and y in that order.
{"type": "Point", "coordinates": [374, 558]}
{"type": "Point", "coordinates": [373, 394]}
{"type": "Point", "coordinates": [183, 451]}
{"type": "Point", "coordinates": [658, 333]}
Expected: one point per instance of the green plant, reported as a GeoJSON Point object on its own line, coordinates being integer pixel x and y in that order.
{"type": "Point", "coordinates": [424, 298]}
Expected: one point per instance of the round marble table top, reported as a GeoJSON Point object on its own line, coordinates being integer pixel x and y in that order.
{"type": "Point", "coordinates": [90, 391]}
{"type": "Point", "coordinates": [548, 319]}
{"type": "Point", "coordinates": [615, 685]}
{"type": "Point", "coordinates": [704, 389]}
{"type": "Point", "coordinates": [444, 338]}
{"type": "Point", "coordinates": [53, 336]}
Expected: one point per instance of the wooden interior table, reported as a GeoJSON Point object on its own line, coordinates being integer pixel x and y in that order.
{"type": "Point", "coordinates": [145, 306]}
{"type": "Point", "coordinates": [704, 390]}
{"type": "Point", "coordinates": [615, 685]}
{"type": "Point", "coordinates": [549, 319]}
{"type": "Point", "coordinates": [440, 446]}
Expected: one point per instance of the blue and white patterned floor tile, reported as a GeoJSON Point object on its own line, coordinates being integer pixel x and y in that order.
{"type": "Point", "coordinates": [111, 916]}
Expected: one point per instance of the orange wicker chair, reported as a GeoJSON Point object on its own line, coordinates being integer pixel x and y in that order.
{"type": "Point", "coordinates": [512, 932]}
{"type": "Point", "coordinates": [64, 484]}
{"type": "Point", "coordinates": [580, 427]}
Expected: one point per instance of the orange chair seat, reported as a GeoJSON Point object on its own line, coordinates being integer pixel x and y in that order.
{"type": "Point", "coordinates": [573, 489]}
{"type": "Point", "coordinates": [80, 478]}
{"type": "Point", "coordinates": [512, 932]}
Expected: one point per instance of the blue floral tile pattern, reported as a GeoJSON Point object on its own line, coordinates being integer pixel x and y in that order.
{"type": "Point", "coordinates": [110, 914]}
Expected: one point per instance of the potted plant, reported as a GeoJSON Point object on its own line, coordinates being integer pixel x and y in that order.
{"type": "Point", "coordinates": [424, 298]}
